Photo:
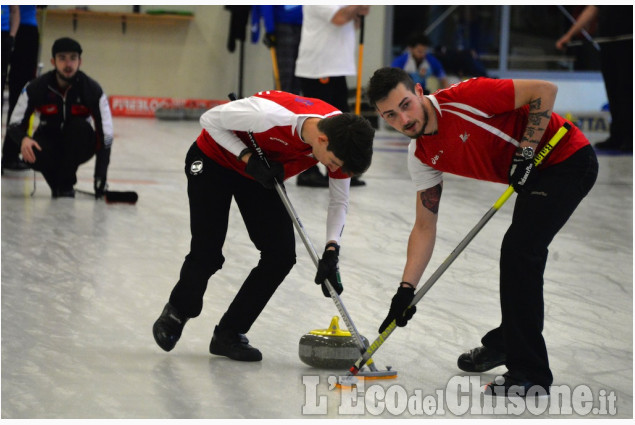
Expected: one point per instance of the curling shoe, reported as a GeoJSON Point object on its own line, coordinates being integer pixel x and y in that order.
{"type": "Point", "coordinates": [481, 359]}
{"type": "Point", "coordinates": [168, 327]}
{"type": "Point", "coordinates": [233, 345]}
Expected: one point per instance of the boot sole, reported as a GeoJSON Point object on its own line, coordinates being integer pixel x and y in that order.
{"type": "Point", "coordinates": [237, 358]}
{"type": "Point", "coordinates": [484, 368]}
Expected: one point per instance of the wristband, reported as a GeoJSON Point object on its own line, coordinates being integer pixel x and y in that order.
{"type": "Point", "coordinates": [243, 153]}
{"type": "Point", "coordinates": [407, 284]}
{"type": "Point", "coordinates": [334, 245]}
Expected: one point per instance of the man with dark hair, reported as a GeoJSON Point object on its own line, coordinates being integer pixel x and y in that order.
{"type": "Point", "coordinates": [489, 130]}
{"type": "Point", "coordinates": [294, 133]}
{"type": "Point", "coordinates": [69, 103]}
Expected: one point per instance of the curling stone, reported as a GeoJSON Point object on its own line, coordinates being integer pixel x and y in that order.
{"type": "Point", "coordinates": [330, 348]}
{"type": "Point", "coordinates": [169, 113]}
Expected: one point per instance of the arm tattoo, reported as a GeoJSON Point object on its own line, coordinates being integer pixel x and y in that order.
{"type": "Point", "coordinates": [430, 198]}
{"type": "Point", "coordinates": [535, 104]}
{"type": "Point", "coordinates": [536, 117]}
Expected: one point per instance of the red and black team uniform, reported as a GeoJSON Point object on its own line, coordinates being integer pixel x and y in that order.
{"type": "Point", "coordinates": [477, 136]}
{"type": "Point", "coordinates": [216, 176]}
{"type": "Point", "coordinates": [65, 131]}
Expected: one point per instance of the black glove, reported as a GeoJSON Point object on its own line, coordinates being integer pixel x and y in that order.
{"type": "Point", "coordinates": [328, 269]}
{"type": "Point", "coordinates": [520, 171]}
{"type": "Point", "coordinates": [263, 174]}
{"type": "Point", "coordinates": [270, 40]}
{"type": "Point", "coordinates": [399, 310]}
{"type": "Point", "coordinates": [100, 187]}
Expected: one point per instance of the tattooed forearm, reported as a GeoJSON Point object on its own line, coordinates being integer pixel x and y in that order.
{"type": "Point", "coordinates": [536, 117]}
{"type": "Point", "coordinates": [430, 198]}
{"type": "Point", "coordinates": [534, 121]}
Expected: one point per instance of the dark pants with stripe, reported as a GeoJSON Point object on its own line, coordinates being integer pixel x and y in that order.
{"type": "Point", "coordinates": [210, 192]}
{"type": "Point", "coordinates": [537, 218]}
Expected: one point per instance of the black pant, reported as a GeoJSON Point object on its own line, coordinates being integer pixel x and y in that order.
{"type": "Point", "coordinates": [23, 68]}
{"type": "Point", "coordinates": [23, 62]}
{"type": "Point", "coordinates": [617, 71]}
{"type": "Point", "coordinates": [62, 155]}
{"type": "Point", "coordinates": [537, 218]}
{"type": "Point", "coordinates": [6, 57]}
{"type": "Point", "coordinates": [210, 193]}
{"type": "Point", "coordinates": [332, 90]}
{"type": "Point", "coordinates": [288, 37]}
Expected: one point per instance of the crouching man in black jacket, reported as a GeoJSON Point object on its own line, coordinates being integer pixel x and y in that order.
{"type": "Point", "coordinates": [75, 122]}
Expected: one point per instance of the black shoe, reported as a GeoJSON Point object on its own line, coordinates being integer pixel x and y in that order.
{"type": "Point", "coordinates": [63, 193]}
{"type": "Point", "coordinates": [233, 345]}
{"type": "Point", "coordinates": [15, 165]}
{"type": "Point", "coordinates": [481, 359]}
{"type": "Point", "coordinates": [168, 327]}
{"type": "Point", "coordinates": [510, 385]}
{"type": "Point", "coordinates": [355, 181]}
{"type": "Point", "coordinates": [312, 177]}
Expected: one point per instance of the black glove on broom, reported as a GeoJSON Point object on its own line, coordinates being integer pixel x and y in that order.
{"type": "Point", "coordinates": [328, 269]}
{"type": "Point", "coordinates": [399, 310]}
{"type": "Point", "coordinates": [264, 175]}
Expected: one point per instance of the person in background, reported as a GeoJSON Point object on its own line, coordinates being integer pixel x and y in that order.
{"type": "Point", "coordinates": [283, 26]}
{"type": "Point", "coordinates": [489, 129]}
{"type": "Point", "coordinates": [326, 56]}
{"type": "Point", "coordinates": [294, 133]}
{"type": "Point", "coordinates": [420, 63]}
{"type": "Point", "coordinates": [10, 24]}
{"type": "Point", "coordinates": [22, 69]}
{"type": "Point", "coordinates": [69, 103]}
{"type": "Point", "coordinates": [615, 36]}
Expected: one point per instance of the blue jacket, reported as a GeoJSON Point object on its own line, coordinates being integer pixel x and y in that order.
{"type": "Point", "coordinates": [435, 67]}
{"type": "Point", "coordinates": [273, 15]}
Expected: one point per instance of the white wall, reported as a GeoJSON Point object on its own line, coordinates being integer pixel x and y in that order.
{"type": "Point", "coordinates": [574, 96]}
{"type": "Point", "coordinates": [191, 59]}
{"type": "Point", "coordinates": [184, 60]}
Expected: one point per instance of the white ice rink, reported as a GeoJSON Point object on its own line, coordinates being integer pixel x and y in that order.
{"type": "Point", "coordinates": [83, 282]}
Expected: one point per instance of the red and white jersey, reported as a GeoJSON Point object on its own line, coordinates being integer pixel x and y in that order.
{"type": "Point", "coordinates": [478, 133]}
{"type": "Point", "coordinates": [275, 118]}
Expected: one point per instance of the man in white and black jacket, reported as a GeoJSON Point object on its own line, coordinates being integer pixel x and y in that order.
{"type": "Point", "coordinates": [69, 104]}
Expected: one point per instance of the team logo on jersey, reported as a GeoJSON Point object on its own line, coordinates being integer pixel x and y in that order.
{"type": "Point", "coordinates": [279, 140]}
{"type": "Point", "coordinates": [436, 158]}
{"type": "Point", "coordinates": [307, 102]}
{"type": "Point", "coordinates": [464, 137]}
{"type": "Point", "coordinates": [196, 167]}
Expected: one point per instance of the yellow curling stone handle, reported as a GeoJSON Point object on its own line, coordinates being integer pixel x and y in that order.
{"type": "Point", "coordinates": [333, 329]}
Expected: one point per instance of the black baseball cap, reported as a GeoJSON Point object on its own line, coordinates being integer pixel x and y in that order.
{"type": "Point", "coordinates": [66, 44]}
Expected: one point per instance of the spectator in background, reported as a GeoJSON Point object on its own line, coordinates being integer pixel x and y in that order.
{"type": "Point", "coordinates": [420, 64]}
{"type": "Point", "coordinates": [10, 24]}
{"type": "Point", "coordinates": [615, 35]}
{"type": "Point", "coordinates": [283, 26]}
{"type": "Point", "coordinates": [22, 69]}
{"type": "Point", "coordinates": [67, 101]}
{"type": "Point", "coordinates": [325, 58]}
